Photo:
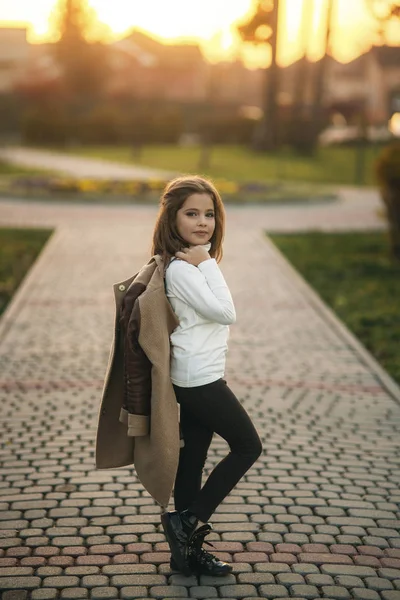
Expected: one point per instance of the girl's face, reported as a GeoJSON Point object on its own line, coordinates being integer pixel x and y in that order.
{"type": "Point", "coordinates": [196, 215]}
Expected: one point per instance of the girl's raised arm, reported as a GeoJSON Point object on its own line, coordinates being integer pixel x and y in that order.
{"type": "Point", "coordinates": [203, 288]}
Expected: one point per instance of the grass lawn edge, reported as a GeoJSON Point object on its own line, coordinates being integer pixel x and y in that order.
{"type": "Point", "coordinates": [329, 315]}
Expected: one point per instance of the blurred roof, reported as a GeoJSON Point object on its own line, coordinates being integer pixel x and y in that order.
{"type": "Point", "coordinates": [387, 56]}
{"type": "Point", "coordinates": [14, 30]}
{"type": "Point", "coordinates": [355, 65]}
{"type": "Point", "coordinates": [36, 50]}
{"type": "Point", "coordinates": [132, 49]}
{"type": "Point", "coordinates": [140, 44]}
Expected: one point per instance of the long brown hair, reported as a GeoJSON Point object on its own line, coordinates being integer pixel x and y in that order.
{"type": "Point", "coordinates": [166, 239]}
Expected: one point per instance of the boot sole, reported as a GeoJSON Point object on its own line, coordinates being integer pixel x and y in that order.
{"type": "Point", "coordinates": [174, 567]}
{"type": "Point", "coordinates": [199, 572]}
{"type": "Point", "coordinates": [175, 551]}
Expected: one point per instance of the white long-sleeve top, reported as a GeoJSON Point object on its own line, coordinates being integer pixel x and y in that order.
{"type": "Point", "coordinates": [201, 299]}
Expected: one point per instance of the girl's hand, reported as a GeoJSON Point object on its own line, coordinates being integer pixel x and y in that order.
{"type": "Point", "coordinates": [194, 255]}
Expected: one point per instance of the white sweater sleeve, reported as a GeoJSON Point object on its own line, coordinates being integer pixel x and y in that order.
{"type": "Point", "coordinates": [203, 288]}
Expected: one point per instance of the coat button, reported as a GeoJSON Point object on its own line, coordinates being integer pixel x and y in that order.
{"type": "Point", "coordinates": [121, 288]}
{"type": "Point", "coordinates": [103, 411]}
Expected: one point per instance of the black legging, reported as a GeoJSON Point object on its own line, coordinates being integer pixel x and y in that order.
{"type": "Point", "coordinates": [204, 410]}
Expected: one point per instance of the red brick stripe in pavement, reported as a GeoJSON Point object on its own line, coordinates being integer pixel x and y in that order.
{"type": "Point", "coordinates": [29, 384]}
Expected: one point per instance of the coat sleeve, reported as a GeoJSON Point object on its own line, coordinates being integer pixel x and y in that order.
{"type": "Point", "coordinates": [137, 380]}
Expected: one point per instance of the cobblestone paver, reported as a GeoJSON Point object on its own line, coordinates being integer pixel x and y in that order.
{"type": "Point", "coordinates": [318, 514]}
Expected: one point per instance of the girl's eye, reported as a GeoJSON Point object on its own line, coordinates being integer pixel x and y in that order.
{"type": "Point", "coordinates": [189, 214]}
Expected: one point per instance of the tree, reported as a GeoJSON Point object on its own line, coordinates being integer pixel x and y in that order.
{"type": "Point", "coordinates": [384, 12]}
{"type": "Point", "coordinates": [299, 126]}
{"type": "Point", "coordinates": [262, 28]}
{"type": "Point", "coordinates": [301, 72]}
{"type": "Point", "coordinates": [320, 77]}
{"type": "Point", "coordinates": [83, 61]}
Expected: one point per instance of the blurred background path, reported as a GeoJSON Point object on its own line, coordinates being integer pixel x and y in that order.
{"type": "Point", "coordinates": [77, 166]}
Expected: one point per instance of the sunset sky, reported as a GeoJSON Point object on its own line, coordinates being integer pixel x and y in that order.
{"type": "Point", "coordinates": [211, 23]}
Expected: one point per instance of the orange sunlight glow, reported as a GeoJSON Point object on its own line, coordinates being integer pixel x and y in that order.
{"type": "Point", "coordinates": [212, 24]}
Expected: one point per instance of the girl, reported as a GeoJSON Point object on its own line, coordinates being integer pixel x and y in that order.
{"type": "Point", "coordinates": [188, 234]}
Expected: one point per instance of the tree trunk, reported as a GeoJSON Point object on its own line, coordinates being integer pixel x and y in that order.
{"type": "Point", "coordinates": [320, 77]}
{"type": "Point", "coordinates": [266, 135]}
{"type": "Point", "coordinates": [300, 75]}
{"type": "Point", "coordinates": [300, 126]}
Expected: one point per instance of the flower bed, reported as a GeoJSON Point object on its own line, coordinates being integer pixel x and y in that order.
{"type": "Point", "coordinates": [149, 191]}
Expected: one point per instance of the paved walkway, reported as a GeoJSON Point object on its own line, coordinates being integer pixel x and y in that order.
{"type": "Point", "coordinates": [78, 166]}
{"type": "Point", "coordinates": [318, 514]}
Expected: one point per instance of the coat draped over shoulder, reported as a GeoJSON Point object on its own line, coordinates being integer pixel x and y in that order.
{"type": "Point", "coordinates": [138, 421]}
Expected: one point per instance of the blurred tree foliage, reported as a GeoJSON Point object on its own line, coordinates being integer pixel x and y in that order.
{"type": "Point", "coordinates": [229, 128]}
{"type": "Point", "coordinates": [135, 123]}
{"type": "Point", "coordinates": [83, 60]}
{"type": "Point", "coordinates": [388, 174]}
{"type": "Point", "coordinates": [385, 13]}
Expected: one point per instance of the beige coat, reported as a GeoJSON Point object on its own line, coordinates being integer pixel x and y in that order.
{"type": "Point", "coordinates": [152, 445]}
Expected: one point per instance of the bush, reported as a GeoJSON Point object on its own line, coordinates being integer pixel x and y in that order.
{"type": "Point", "coordinates": [388, 175]}
{"type": "Point", "coordinates": [388, 166]}
{"type": "Point", "coordinates": [167, 127]}
{"type": "Point", "coordinates": [10, 110]}
{"type": "Point", "coordinates": [39, 127]}
{"type": "Point", "coordinates": [100, 126]}
{"type": "Point", "coordinates": [298, 133]}
{"type": "Point", "coordinates": [228, 129]}
{"type": "Point", "coordinates": [148, 126]}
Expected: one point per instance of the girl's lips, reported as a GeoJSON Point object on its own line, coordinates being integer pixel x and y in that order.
{"type": "Point", "coordinates": [200, 232]}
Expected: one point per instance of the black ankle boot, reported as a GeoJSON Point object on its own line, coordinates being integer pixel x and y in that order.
{"type": "Point", "coordinates": [188, 522]}
{"type": "Point", "coordinates": [202, 562]}
{"type": "Point", "coordinates": [177, 539]}
{"type": "Point", "coordinates": [178, 528]}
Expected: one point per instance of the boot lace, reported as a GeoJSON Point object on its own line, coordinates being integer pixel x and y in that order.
{"type": "Point", "coordinates": [195, 548]}
{"type": "Point", "coordinates": [205, 557]}
{"type": "Point", "coordinates": [197, 538]}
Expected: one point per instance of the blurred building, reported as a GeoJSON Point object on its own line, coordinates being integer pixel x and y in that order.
{"type": "Point", "coordinates": [146, 68]}
{"type": "Point", "coordinates": [369, 84]}
{"type": "Point", "coordinates": [383, 75]}
{"type": "Point", "coordinates": [41, 66]}
{"type": "Point", "coordinates": [232, 82]}
{"type": "Point", "coordinates": [141, 67]}
{"type": "Point", "coordinates": [14, 52]}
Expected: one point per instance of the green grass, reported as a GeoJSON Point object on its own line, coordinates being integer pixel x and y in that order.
{"type": "Point", "coordinates": [238, 163]}
{"type": "Point", "coordinates": [355, 275]}
{"type": "Point", "coordinates": [19, 250]}
{"type": "Point", "coordinates": [10, 169]}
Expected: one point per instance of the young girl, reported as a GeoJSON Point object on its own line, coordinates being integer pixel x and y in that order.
{"type": "Point", "coordinates": [188, 234]}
